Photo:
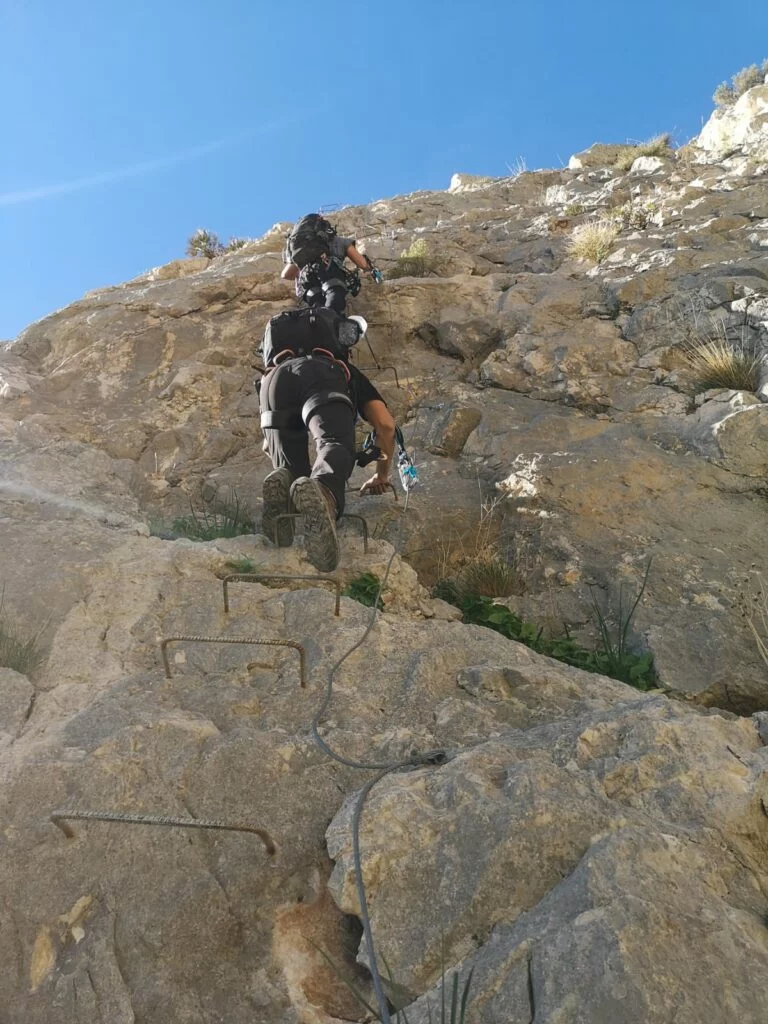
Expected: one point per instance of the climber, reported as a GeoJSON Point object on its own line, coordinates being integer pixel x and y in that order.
{"type": "Point", "coordinates": [310, 388]}
{"type": "Point", "coordinates": [314, 258]}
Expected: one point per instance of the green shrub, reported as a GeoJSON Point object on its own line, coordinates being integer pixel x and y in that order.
{"type": "Point", "coordinates": [204, 243]}
{"type": "Point", "coordinates": [241, 566]}
{"type": "Point", "coordinates": [208, 244]}
{"type": "Point", "coordinates": [415, 261]}
{"type": "Point", "coordinates": [22, 655]}
{"type": "Point", "coordinates": [725, 95]}
{"type": "Point", "coordinates": [365, 589]}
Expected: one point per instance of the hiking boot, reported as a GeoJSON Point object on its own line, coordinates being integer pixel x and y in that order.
{"type": "Point", "coordinates": [318, 508]}
{"type": "Point", "coordinates": [277, 501]}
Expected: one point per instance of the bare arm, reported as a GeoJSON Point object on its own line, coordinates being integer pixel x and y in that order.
{"type": "Point", "coordinates": [290, 272]}
{"type": "Point", "coordinates": [358, 259]}
{"type": "Point", "coordinates": [380, 418]}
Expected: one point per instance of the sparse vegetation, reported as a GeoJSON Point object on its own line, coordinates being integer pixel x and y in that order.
{"type": "Point", "coordinates": [365, 589]}
{"type": "Point", "coordinates": [726, 94]}
{"type": "Point", "coordinates": [659, 145]}
{"type": "Point", "coordinates": [574, 209]}
{"type": "Point", "coordinates": [22, 655]}
{"type": "Point", "coordinates": [718, 362]}
{"type": "Point", "coordinates": [593, 241]}
{"type": "Point", "coordinates": [207, 243]}
{"type": "Point", "coordinates": [474, 560]}
{"type": "Point", "coordinates": [415, 261]}
{"type": "Point", "coordinates": [612, 657]}
{"type": "Point", "coordinates": [634, 215]}
{"type": "Point", "coordinates": [202, 524]}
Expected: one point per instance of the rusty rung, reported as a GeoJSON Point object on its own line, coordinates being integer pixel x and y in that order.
{"type": "Point", "coordinates": [353, 515]}
{"type": "Point", "coordinates": [59, 817]}
{"type": "Point", "coordinates": [254, 577]}
{"type": "Point", "coordinates": [392, 368]}
{"type": "Point", "coordinates": [234, 640]}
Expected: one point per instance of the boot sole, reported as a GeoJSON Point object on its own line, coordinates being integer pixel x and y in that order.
{"type": "Point", "coordinates": [319, 526]}
{"type": "Point", "coordinates": [277, 501]}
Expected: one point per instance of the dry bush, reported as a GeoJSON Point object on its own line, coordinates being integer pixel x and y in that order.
{"type": "Point", "coordinates": [593, 241]}
{"type": "Point", "coordinates": [474, 557]}
{"type": "Point", "coordinates": [659, 145]}
{"type": "Point", "coordinates": [725, 95]}
{"type": "Point", "coordinates": [752, 602]}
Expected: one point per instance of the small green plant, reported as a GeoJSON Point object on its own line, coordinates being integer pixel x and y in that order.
{"type": "Point", "coordinates": [574, 209]}
{"type": "Point", "coordinates": [725, 95]}
{"type": "Point", "coordinates": [719, 363]}
{"type": "Point", "coordinates": [241, 566]}
{"type": "Point", "coordinates": [614, 655]}
{"type": "Point", "coordinates": [635, 214]}
{"type": "Point", "coordinates": [415, 261]}
{"type": "Point", "coordinates": [659, 145]}
{"type": "Point", "coordinates": [234, 244]}
{"type": "Point", "coordinates": [22, 655]}
{"type": "Point", "coordinates": [593, 241]}
{"type": "Point", "coordinates": [365, 589]}
{"type": "Point", "coordinates": [202, 524]}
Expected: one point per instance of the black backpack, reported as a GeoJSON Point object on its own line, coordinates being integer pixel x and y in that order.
{"type": "Point", "coordinates": [301, 331]}
{"type": "Point", "coordinates": [309, 241]}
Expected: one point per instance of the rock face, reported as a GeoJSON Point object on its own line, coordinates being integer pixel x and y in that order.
{"type": "Point", "coordinates": [593, 853]}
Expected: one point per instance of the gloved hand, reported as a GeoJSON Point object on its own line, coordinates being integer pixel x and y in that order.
{"type": "Point", "coordinates": [376, 275]}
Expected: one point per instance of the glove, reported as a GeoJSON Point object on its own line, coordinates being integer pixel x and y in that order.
{"type": "Point", "coordinates": [376, 275]}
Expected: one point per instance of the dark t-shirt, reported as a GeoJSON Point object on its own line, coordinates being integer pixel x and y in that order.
{"type": "Point", "coordinates": [361, 389]}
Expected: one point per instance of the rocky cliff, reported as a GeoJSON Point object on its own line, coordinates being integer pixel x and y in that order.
{"type": "Point", "coordinates": [594, 853]}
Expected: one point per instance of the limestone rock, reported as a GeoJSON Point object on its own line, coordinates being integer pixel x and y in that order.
{"type": "Point", "coordinates": [742, 127]}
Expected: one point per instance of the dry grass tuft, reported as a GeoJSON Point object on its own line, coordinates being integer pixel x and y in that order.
{"type": "Point", "coordinates": [752, 602]}
{"type": "Point", "coordinates": [593, 241]}
{"type": "Point", "coordinates": [719, 363]}
{"type": "Point", "coordinates": [659, 145]}
{"type": "Point", "coordinates": [22, 655]}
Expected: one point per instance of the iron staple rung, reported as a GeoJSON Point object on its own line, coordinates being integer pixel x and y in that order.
{"type": "Point", "coordinates": [344, 515]}
{"type": "Point", "coordinates": [153, 819]}
{"type": "Point", "coordinates": [234, 640]}
{"type": "Point", "coordinates": [255, 577]}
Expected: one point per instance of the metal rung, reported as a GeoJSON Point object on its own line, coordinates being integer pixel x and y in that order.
{"type": "Point", "coordinates": [363, 523]}
{"type": "Point", "coordinates": [234, 640]}
{"type": "Point", "coordinates": [59, 817]}
{"type": "Point", "coordinates": [255, 577]}
{"type": "Point", "coordinates": [392, 368]}
{"type": "Point", "coordinates": [344, 515]}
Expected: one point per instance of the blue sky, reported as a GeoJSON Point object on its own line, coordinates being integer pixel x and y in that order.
{"type": "Point", "coordinates": [125, 126]}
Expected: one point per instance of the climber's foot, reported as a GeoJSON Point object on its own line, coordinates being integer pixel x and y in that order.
{"type": "Point", "coordinates": [318, 507]}
{"type": "Point", "coordinates": [276, 492]}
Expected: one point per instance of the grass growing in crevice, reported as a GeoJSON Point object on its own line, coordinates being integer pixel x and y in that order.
{"type": "Point", "coordinates": [659, 145]}
{"type": "Point", "coordinates": [720, 363]}
{"type": "Point", "coordinates": [612, 657]}
{"type": "Point", "coordinates": [594, 240]}
{"type": "Point", "coordinates": [364, 588]}
{"type": "Point", "coordinates": [16, 652]}
{"type": "Point", "coordinates": [202, 524]}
